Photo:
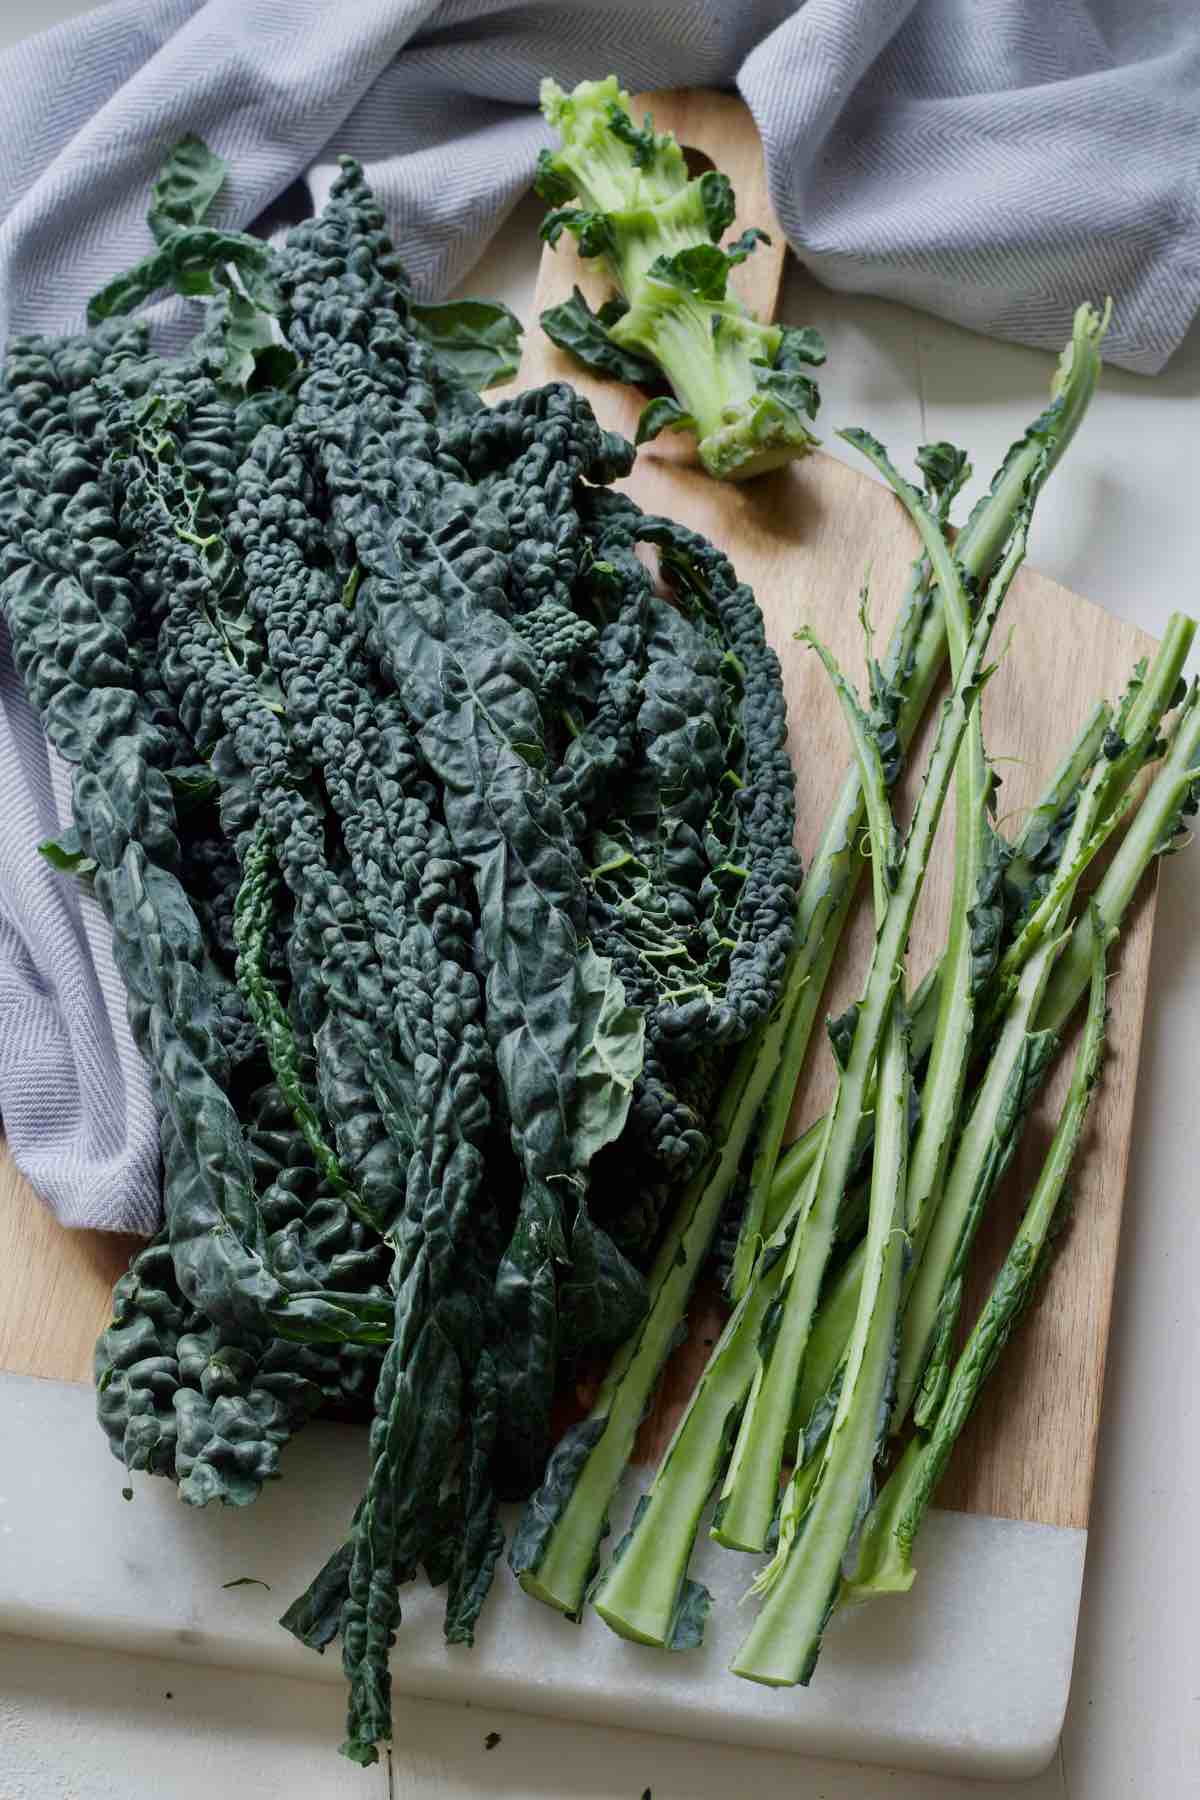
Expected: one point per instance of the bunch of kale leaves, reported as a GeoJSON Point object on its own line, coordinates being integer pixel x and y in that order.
{"type": "Point", "coordinates": [445, 852]}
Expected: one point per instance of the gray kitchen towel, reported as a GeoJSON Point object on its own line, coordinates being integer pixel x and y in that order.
{"type": "Point", "coordinates": [994, 161]}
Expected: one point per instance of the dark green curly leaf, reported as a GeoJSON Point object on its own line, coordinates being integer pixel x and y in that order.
{"type": "Point", "coordinates": [640, 144]}
{"type": "Point", "coordinates": [247, 336]}
{"type": "Point", "coordinates": [690, 1616]}
{"type": "Point", "coordinates": [133, 288]}
{"type": "Point", "coordinates": [592, 231]}
{"type": "Point", "coordinates": [784, 376]}
{"type": "Point", "coordinates": [800, 344]}
{"type": "Point", "coordinates": [314, 1617]}
{"type": "Point", "coordinates": [702, 270]}
{"type": "Point", "coordinates": [662, 414]}
{"type": "Point", "coordinates": [478, 342]}
{"type": "Point", "coordinates": [574, 327]}
{"type": "Point", "coordinates": [841, 1033]}
{"type": "Point", "coordinates": [191, 179]}
{"type": "Point", "coordinates": [612, 1037]}
{"type": "Point", "coordinates": [945, 468]}
{"type": "Point", "coordinates": [66, 855]}
{"type": "Point", "coordinates": [545, 1507]}
{"type": "Point", "coordinates": [188, 260]}
{"type": "Point", "coordinates": [717, 203]}
{"type": "Point", "coordinates": [552, 182]}
{"type": "Point", "coordinates": [603, 1299]}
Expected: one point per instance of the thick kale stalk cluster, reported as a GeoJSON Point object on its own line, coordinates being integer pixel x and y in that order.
{"type": "Point", "coordinates": [447, 855]}
{"type": "Point", "coordinates": [848, 1276]}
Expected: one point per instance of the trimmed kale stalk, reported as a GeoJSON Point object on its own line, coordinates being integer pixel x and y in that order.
{"type": "Point", "coordinates": [883, 1559]}
{"type": "Point", "coordinates": [828, 1497]}
{"type": "Point", "coordinates": [1158, 828]}
{"type": "Point", "coordinates": [943, 1235]}
{"type": "Point", "coordinates": [803, 1582]}
{"type": "Point", "coordinates": [1032, 847]}
{"type": "Point", "coordinates": [556, 1545]}
{"type": "Point", "coordinates": [642, 1601]}
{"type": "Point", "coordinates": [644, 1592]}
{"type": "Point", "coordinates": [834, 872]}
{"type": "Point", "coordinates": [813, 1538]}
{"type": "Point", "coordinates": [743, 387]}
{"type": "Point", "coordinates": [835, 869]}
{"type": "Point", "coordinates": [976, 905]}
{"type": "Point", "coordinates": [1073, 826]}
{"type": "Point", "coordinates": [750, 1493]}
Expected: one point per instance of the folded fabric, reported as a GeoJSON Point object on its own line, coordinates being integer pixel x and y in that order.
{"type": "Point", "coordinates": [995, 164]}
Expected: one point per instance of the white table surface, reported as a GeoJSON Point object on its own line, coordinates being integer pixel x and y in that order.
{"type": "Point", "coordinates": [1121, 523]}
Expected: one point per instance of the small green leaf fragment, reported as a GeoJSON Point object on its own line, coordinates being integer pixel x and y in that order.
{"type": "Point", "coordinates": [65, 854]}
{"type": "Point", "coordinates": [477, 342]}
{"type": "Point", "coordinates": [191, 179]}
{"type": "Point", "coordinates": [717, 203]}
{"type": "Point", "coordinates": [662, 414]}
{"type": "Point", "coordinates": [552, 182]}
{"type": "Point", "coordinates": [640, 144]}
{"type": "Point", "coordinates": [574, 327]}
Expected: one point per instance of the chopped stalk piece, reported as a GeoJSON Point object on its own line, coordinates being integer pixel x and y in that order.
{"type": "Point", "coordinates": [745, 388]}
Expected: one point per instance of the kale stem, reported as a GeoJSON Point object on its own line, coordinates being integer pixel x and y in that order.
{"type": "Point", "coordinates": [813, 1542]}
{"type": "Point", "coordinates": [883, 1561]}
{"type": "Point", "coordinates": [748, 1500]}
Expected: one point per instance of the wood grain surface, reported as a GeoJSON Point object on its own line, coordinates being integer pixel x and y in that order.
{"type": "Point", "coordinates": [805, 537]}
{"type": "Point", "coordinates": [55, 1285]}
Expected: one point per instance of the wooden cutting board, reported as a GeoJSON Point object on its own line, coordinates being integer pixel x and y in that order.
{"type": "Point", "coordinates": [804, 538]}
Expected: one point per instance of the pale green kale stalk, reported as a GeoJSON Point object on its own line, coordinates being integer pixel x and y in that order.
{"type": "Point", "coordinates": [743, 387]}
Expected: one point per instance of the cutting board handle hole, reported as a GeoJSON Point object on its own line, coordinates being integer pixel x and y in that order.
{"type": "Point", "coordinates": [698, 163]}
